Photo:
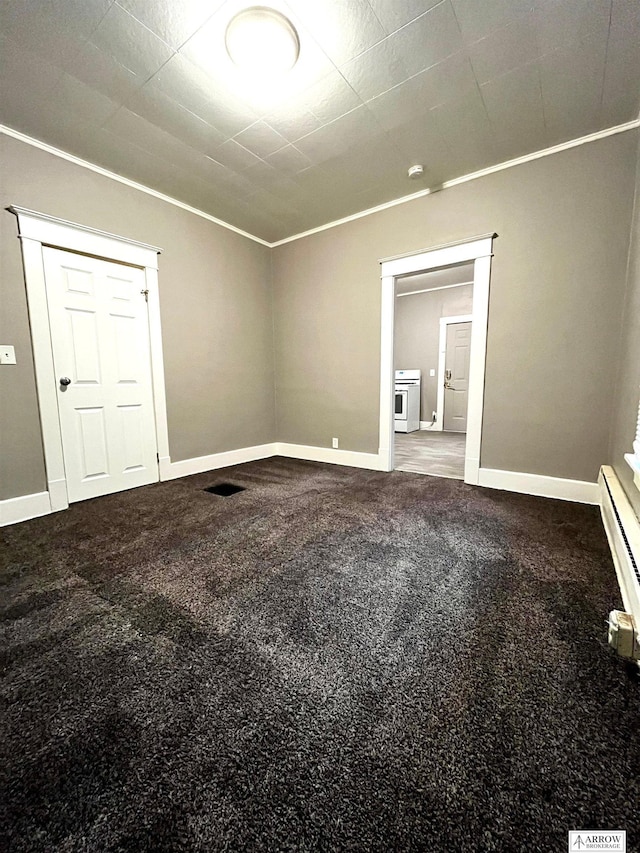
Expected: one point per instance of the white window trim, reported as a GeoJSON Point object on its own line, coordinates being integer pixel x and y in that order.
{"type": "Point", "coordinates": [479, 250]}
{"type": "Point", "coordinates": [35, 231]}
{"type": "Point", "coordinates": [634, 458]}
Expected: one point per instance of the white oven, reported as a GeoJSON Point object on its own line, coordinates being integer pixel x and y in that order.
{"type": "Point", "coordinates": [406, 410]}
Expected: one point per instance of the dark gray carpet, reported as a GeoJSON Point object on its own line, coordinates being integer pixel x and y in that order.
{"type": "Point", "coordinates": [331, 660]}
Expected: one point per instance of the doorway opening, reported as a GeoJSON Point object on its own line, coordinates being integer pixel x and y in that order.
{"type": "Point", "coordinates": [405, 275]}
{"type": "Point", "coordinates": [432, 338]}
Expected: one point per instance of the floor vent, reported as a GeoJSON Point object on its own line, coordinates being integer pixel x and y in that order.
{"type": "Point", "coordinates": [623, 532]}
{"type": "Point", "coordinates": [224, 489]}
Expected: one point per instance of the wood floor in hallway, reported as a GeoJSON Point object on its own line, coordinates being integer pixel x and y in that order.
{"type": "Point", "coordinates": [424, 452]}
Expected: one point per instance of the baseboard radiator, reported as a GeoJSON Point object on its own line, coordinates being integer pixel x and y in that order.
{"type": "Point", "coordinates": [623, 532]}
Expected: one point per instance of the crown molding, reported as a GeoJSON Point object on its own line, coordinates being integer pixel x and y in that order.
{"type": "Point", "coordinates": [472, 176]}
{"type": "Point", "coordinates": [71, 158]}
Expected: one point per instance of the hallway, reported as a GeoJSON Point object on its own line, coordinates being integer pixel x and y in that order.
{"type": "Point", "coordinates": [440, 454]}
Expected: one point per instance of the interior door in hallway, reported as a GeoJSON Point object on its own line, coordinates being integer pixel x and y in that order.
{"type": "Point", "coordinates": [100, 340]}
{"type": "Point", "coordinates": [456, 386]}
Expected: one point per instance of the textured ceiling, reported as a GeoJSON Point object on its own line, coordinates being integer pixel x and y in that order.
{"type": "Point", "coordinates": [144, 88]}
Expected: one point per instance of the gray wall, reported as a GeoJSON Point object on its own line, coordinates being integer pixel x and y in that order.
{"type": "Point", "coordinates": [557, 291]}
{"type": "Point", "coordinates": [215, 303]}
{"type": "Point", "coordinates": [628, 382]}
{"type": "Point", "coordinates": [557, 287]}
{"type": "Point", "coordinates": [417, 334]}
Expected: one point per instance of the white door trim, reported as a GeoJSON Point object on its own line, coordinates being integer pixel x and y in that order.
{"type": "Point", "coordinates": [479, 250]}
{"type": "Point", "coordinates": [35, 231]}
{"type": "Point", "coordinates": [442, 347]}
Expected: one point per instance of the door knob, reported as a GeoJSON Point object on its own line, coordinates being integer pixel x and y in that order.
{"type": "Point", "coordinates": [64, 381]}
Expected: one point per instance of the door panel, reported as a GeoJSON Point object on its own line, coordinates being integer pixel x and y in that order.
{"type": "Point", "coordinates": [93, 442]}
{"type": "Point", "coordinates": [128, 359]}
{"type": "Point", "coordinates": [78, 280]}
{"type": "Point", "coordinates": [456, 394]}
{"type": "Point", "coordinates": [100, 338]}
{"type": "Point", "coordinates": [120, 288]}
{"type": "Point", "coordinates": [132, 429]}
{"type": "Point", "coordinates": [83, 341]}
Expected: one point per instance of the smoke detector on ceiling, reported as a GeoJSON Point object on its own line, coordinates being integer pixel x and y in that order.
{"type": "Point", "coordinates": [416, 171]}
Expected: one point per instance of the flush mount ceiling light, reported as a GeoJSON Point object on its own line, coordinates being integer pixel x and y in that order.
{"type": "Point", "coordinates": [262, 41]}
{"type": "Point", "coordinates": [415, 171]}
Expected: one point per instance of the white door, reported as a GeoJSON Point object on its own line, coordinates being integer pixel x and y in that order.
{"type": "Point", "coordinates": [100, 340]}
{"type": "Point", "coordinates": [456, 372]}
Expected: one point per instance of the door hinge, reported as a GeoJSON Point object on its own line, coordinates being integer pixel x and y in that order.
{"type": "Point", "coordinates": [146, 294]}
{"type": "Point", "coordinates": [158, 458]}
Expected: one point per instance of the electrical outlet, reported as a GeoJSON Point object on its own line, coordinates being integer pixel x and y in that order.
{"type": "Point", "coordinates": [335, 443]}
{"type": "Point", "coordinates": [7, 354]}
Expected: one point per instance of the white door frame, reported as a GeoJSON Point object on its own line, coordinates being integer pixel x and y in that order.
{"type": "Point", "coordinates": [35, 231]}
{"type": "Point", "coordinates": [479, 250]}
{"type": "Point", "coordinates": [442, 352]}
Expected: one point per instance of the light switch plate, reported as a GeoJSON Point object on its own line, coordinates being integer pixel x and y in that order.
{"type": "Point", "coordinates": [432, 372]}
{"type": "Point", "coordinates": [7, 354]}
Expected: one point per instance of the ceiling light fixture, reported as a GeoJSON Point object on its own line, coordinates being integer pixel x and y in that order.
{"type": "Point", "coordinates": [262, 41]}
{"type": "Point", "coordinates": [415, 171]}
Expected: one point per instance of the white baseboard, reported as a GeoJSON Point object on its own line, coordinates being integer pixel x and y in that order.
{"type": "Point", "coordinates": [578, 491]}
{"type": "Point", "coordinates": [371, 461]}
{"type": "Point", "coordinates": [23, 508]}
{"type": "Point", "coordinates": [185, 467]}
